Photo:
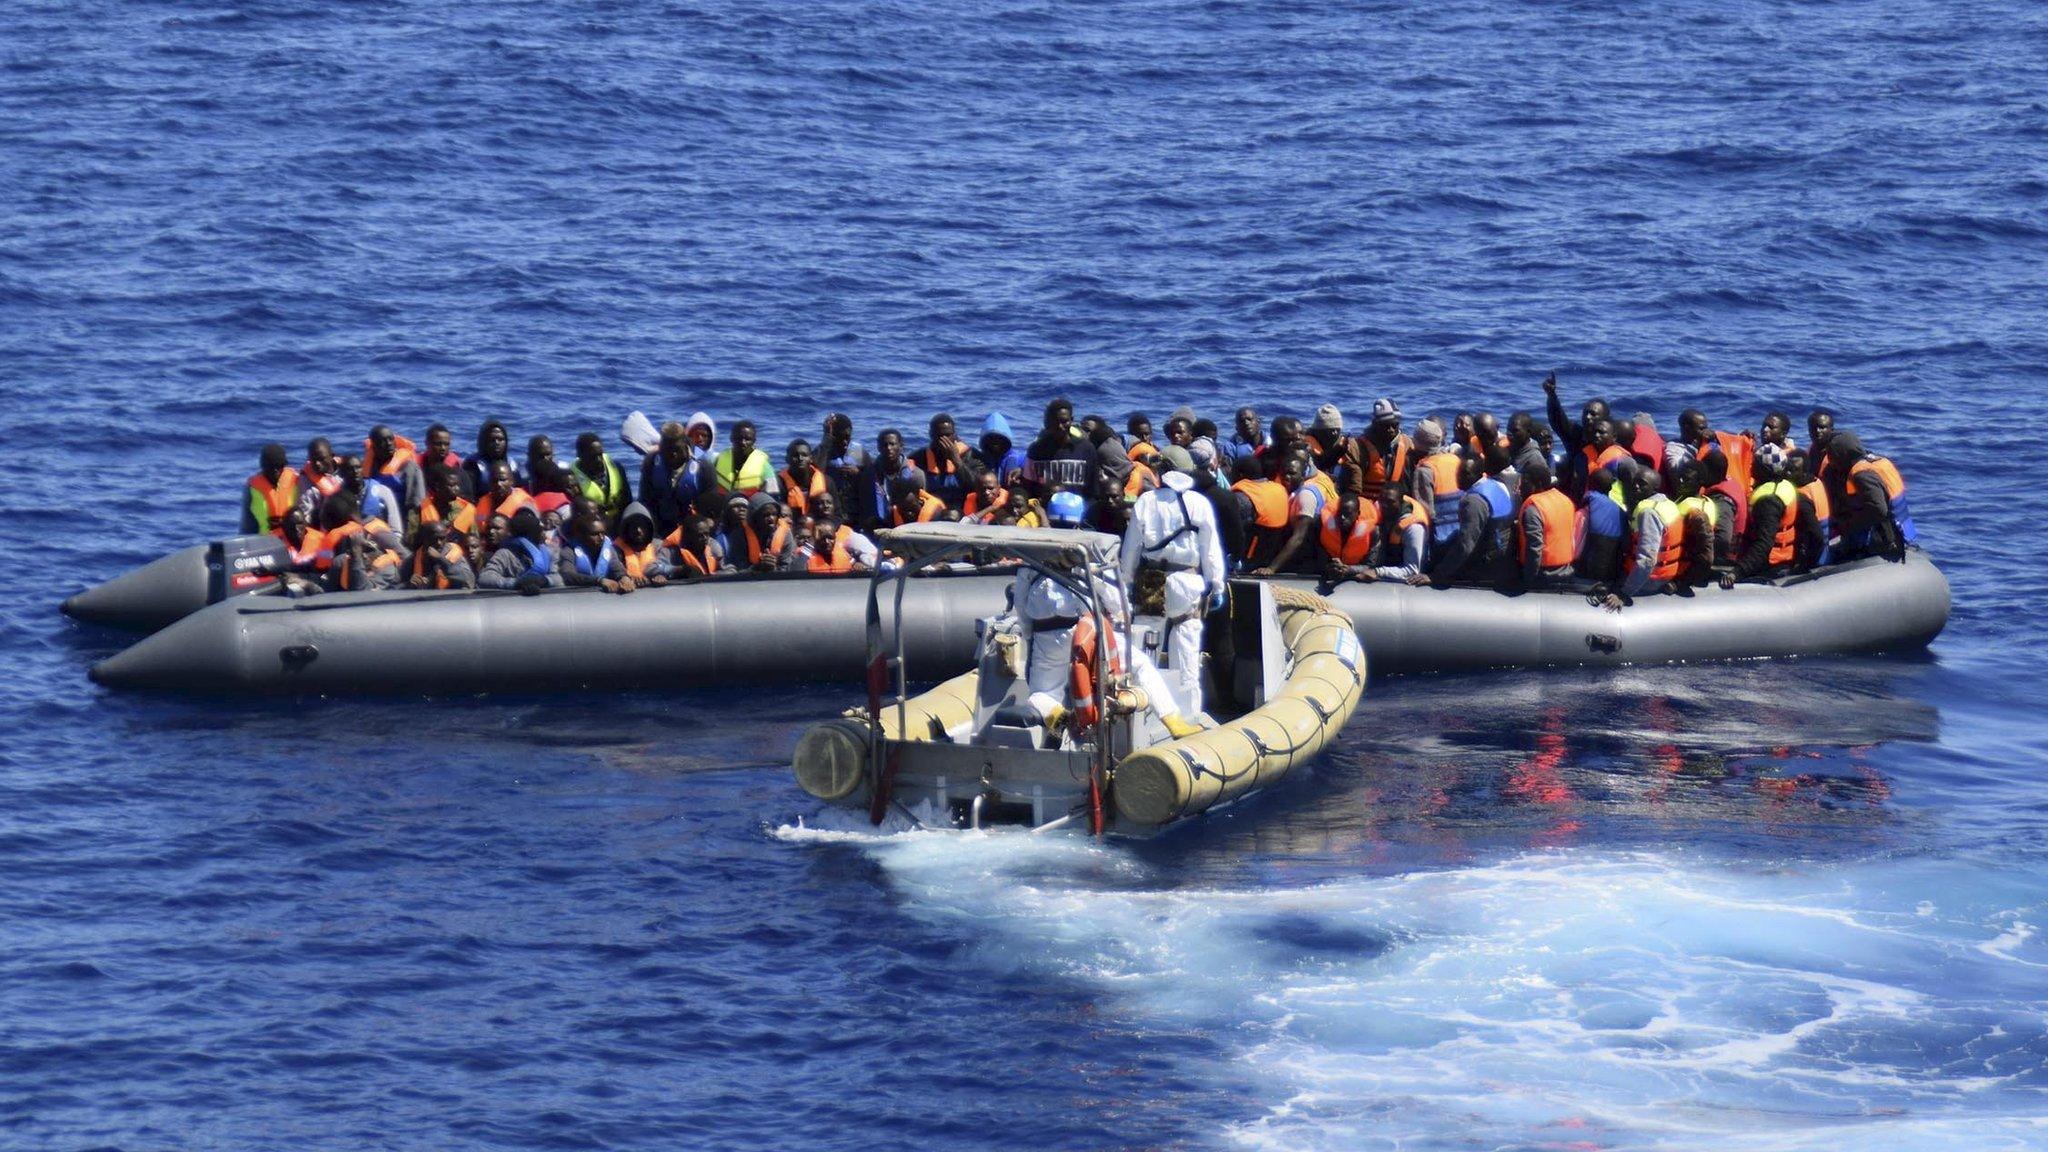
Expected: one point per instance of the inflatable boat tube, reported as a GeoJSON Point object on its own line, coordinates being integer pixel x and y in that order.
{"type": "Point", "coordinates": [170, 588]}
{"type": "Point", "coordinates": [800, 627]}
{"type": "Point", "coordinates": [1161, 784]}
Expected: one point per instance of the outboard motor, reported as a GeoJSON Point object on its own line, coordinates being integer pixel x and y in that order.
{"type": "Point", "coordinates": [242, 564]}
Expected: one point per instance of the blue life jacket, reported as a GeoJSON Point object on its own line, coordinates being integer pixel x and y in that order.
{"type": "Point", "coordinates": [537, 560]}
{"type": "Point", "coordinates": [1603, 516]}
{"type": "Point", "coordinates": [584, 565]}
{"type": "Point", "coordinates": [1500, 513]}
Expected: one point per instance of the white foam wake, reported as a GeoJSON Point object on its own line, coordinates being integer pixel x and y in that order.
{"type": "Point", "coordinates": [1572, 999]}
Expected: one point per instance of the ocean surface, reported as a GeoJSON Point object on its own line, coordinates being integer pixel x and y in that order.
{"type": "Point", "coordinates": [1757, 906]}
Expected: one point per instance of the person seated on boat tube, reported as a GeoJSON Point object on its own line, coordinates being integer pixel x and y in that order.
{"type": "Point", "coordinates": [826, 545]}
{"type": "Point", "coordinates": [1815, 515]}
{"type": "Point", "coordinates": [270, 493]}
{"type": "Point", "coordinates": [1480, 549]}
{"type": "Point", "coordinates": [439, 560]}
{"type": "Point", "coordinates": [1731, 506]}
{"type": "Point", "coordinates": [1876, 518]}
{"type": "Point", "coordinates": [599, 479]}
{"type": "Point", "coordinates": [493, 446]}
{"type": "Point", "coordinates": [367, 550]}
{"type": "Point", "coordinates": [1401, 538]}
{"type": "Point", "coordinates": [392, 461]}
{"type": "Point", "coordinates": [742, 469]}
{"type": "Point", "coordinates": [1703, 517]}
{"type": "Point", "coordinates": [372, 501]}
{"type": "Point", "coordinates": [856, 543]}
{"type": "Point", "coordinates": [1347, 535]}
{"type": "Point", "coordinates": [1305, 504]}
{"type": "Point", "coordinates": [1657, 555]}
{"type": "Point", "coordinates": [1263, 505]}
{"type": "Point", "coordinates": [319, 476]}
{"type": "Point", "coordinates": [1773, 539]}
{"type": "Point", "coordinates": [1172, 565]}
{"type": "Point", "coordinates": [497, 531]}
{"type": "Point", "coordinates": [765, 541]}
{"type": "Point", "coordinates": [640, 547]}
{"type": "Point", "coordinates": [527, 561]}
{"type": "Point", "coordinates": [306, 552]}
{"type": "Point", "coordinates": [1605, 515]}
{"type": "Point", "coordinates": [1548, 530]}
{"type": "Point", "coordinates": [591, 560]}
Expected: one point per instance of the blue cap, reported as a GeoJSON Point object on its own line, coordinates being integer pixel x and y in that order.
{"type": "Point", "coordinates": [1066, 508]}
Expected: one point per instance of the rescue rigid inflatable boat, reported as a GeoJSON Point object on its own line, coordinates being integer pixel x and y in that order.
{"type": "Point", "coordinates": [799, 627]}
{"type": "Point", "coordinates": [1285, 668]}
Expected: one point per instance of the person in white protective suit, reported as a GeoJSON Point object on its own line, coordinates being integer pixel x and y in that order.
{"type": "Point", "coordinates": [1174, 533]}
{"type": "Point", "coordinates": [1050, 611]}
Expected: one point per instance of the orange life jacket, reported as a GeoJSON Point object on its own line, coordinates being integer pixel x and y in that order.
{"type": "Point", "coordinates": [1142, 450]}
{"type": "Point", "coordinates": [1560, 528]}
{"type": "Point", "coordinates": [386, 558]}
{"type": "Point", "coordinates": [280, 497]}
{"type": "Point", "coordinates": [1600, 458]}
{"type": "Point", "coordinates": [325, 483]}
{"type": "Point", "coordinates": [685, 558]}
{"type": "Point", "coordinates": [1323, 483]}
{"type": "Point", "coordinates": [1741, 453]}
{"type": "Point", "coordinates": [312, 551]}
{"type": "Point", "coordinates": [973, 510]}
{"type": "Point", "coordinates": [776, 541]}
{"type": "Point", "coordinates": [1377, 475]}
{"type": "Point", "coordinates": [1415, 512]}
{"type": "Point", "coordinates": [637, 563]}
{"type": "Point", "coordinates": [928, 508]}
{"type": "Point", "coordinates": [1084, 674]}
{"type": "Point", "coordinates": [838, 558]}
{"type": "Point", "coordinates": [1140, 481]}
{"type": "Point", "coordinates": [1352, 547]}
{"type": "Point", "coordinates": [1269, 501]}
{"type": "Point", "coordinates": [403, 452]}
{"type": "Point", "coordinates": [419, 565]}
{"type": "Point", "coordinates": [799, 496]}
{"type": "Point", "coordinates": [1817, 492]}
{"type": "Point", "coordinates": [1783, 544]}
{"type": "Point", "coordinates": [488, 506]}
{"type": "Point", "coordinates": [463, 519]}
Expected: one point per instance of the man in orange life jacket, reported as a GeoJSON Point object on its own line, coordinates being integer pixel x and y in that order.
{"type": "Point", "coordinates": [1262, 509]}
{"type": "Point", "coordinates": [1695, 433]}
{"type": "Point", "coordinates": [1549, 530]}
{"type": "Point", "coordinates": [527, 561]}
{"type": "Point", "coordinates": [1304, 509]}
{"type": "Point", "coordinates": [445, 504]}
{"type": "Point", "coordinates": [1875, 518]}
{"type": "Point", "coordinates": [801, 479]}
{"type": "Point", "coordinates": [1434, 479]}
{"type": "Point", "coordinates": [367, 551]}
{"type": "Point", "coordinates": [862, 550]}
{"type": "Point", "coordinates": [641, 550]}
{"type": "Point", "coordinates": [1334, 454]}
{"type": "Point", "coordinates": [1815, 517]}
{"type": "Point", "coordinates": [1772, 542]}
{"type": "Point", "coordinates": [1658, 555]}
{"type": "Point", "coordinates": [439, 560]}
{"type": "Point", "coordinates": [1347, 536]}
{"type": "Point", "coordinates": [270, 493]}
{"type": "Point", "coordinates": [948, 464]}
{"type": "Point", "coordinates": [1384, 454]}
{"type": "Point", "coordinates": [305, 550]}
{"type": "Point", "coordinates": [389, 461]}
{"type": "Point", "coordinates": [318, 477]}
{"type": "Point", "coordinates": [765, 540]}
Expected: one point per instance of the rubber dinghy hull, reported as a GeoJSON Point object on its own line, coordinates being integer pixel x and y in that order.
{"type": "Point", "coordinates": [812, 628]}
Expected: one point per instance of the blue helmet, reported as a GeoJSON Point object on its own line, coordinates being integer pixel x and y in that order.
{"type": "Point", "coordinates": [1066, 508]}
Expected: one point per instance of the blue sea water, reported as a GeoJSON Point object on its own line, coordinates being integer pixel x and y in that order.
{"type": "Point", "coordinates": [1756, 906]}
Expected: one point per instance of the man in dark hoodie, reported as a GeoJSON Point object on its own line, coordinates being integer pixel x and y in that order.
{"type": "Point", "coordinates": [640, 547]}
{"type": "Point", "coordinates": [1059, 458]}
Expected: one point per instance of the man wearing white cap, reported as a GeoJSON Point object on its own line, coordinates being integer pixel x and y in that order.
{"type": "Point", "coordinates": [1175, 534]}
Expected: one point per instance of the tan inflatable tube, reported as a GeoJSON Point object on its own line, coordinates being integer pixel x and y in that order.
{"type": "Point", "coordinates": [1168, 781]}
{"type": "Point", "coordinates": [831, 760]}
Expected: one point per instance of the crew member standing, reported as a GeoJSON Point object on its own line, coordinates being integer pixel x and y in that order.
{"type": "Point", "coordinates": [1174, 533]}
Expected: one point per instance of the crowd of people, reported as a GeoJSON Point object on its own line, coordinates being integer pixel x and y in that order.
{"type": "Point", "coordinates": [1605, 504]}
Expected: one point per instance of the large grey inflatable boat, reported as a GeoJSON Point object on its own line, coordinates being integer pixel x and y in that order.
{"type": "Point", "coordinates": [802, 627]}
